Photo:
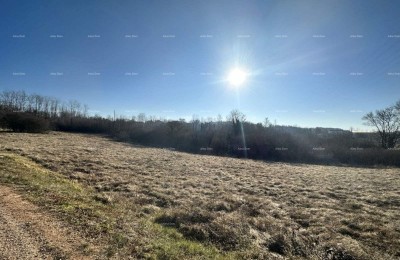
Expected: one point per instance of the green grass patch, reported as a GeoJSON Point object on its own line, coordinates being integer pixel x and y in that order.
{"type": "Point", "coordinates": [170, 244]}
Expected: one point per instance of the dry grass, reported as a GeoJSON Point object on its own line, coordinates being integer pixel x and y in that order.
{"type": "Point", "coordinates": [248, 208]}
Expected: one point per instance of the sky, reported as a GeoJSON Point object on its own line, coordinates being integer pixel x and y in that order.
{"type": "Point", "coordinates": [308, 63]}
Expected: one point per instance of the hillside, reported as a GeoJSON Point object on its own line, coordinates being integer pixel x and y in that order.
{"type": "Point", "coordinates": [166, 204]}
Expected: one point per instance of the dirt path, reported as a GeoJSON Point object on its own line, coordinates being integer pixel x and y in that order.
{"type": "Point", "coordinates": [26, 232]}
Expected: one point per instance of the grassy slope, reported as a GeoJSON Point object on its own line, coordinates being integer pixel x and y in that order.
{"type": "Point", "coordinates": [240, 207]}
{"type": "Point", "coordinates": [81, 207]}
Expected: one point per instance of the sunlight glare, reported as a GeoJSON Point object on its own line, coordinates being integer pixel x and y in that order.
{"type": "Point", "coordinates": [237, 77]}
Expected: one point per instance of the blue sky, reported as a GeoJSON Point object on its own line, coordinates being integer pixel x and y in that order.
{"type": "Point", "coordinates": [311, 63]}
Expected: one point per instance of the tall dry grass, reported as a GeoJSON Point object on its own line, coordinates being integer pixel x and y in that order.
{"type": "Point", "coordinates": [261, 210]}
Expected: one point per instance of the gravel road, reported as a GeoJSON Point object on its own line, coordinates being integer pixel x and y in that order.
{"type": "Point", "coordinates": [26, 232]}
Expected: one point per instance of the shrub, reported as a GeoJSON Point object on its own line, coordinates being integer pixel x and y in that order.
{"type": "Point", "coordinates": [26, 122]}
{"type": "Point", "coordinates": [2, 120]}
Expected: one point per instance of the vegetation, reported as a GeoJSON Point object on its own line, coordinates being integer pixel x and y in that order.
{"type": "Point", "coordinates": [96, 217]}
{"type": "Point", "coordinates": [387, 123]}
{"type": "Point", "coordinates": [233, 137]}
{"type": "Point", "coordinates": [25, 122]}
{"type": "Point", "coordinates": [162, 204]}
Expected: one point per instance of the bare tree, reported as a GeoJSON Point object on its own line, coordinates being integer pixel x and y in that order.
{"type": "Point", "coordinates": [267, 123]}
{"type": "Point", "coordinates": [31, 103]}
{"type": "Point", "coordinates": [219, 118]}
{"type": "Point", "coordinates": [397, 107]}
{"type": "Point", "coordinates": [38, 103]}
{"type": "Point", "coordinates": [6, 100]}
{"type": "Point", "coordinates": [54, 107]}
{"type": "Point", "coordinates": [195, 124]}
{"type": "Point", "coordinates": [46, 106]}
{"type": "Point", "coordinates": [74, 108]}
{"type": "Point", "coordinates": [236, 117]}
{"type": "Point", "coordinates": [152, 119]}
{"type": "Point", "coordinates": [21, 99]}
{"type": "Point", "coordinates": [142, 117]}
{"type": "Point", "coordinates": [85, 110]}
{"type": "Point", "coordinates": [387, 123]}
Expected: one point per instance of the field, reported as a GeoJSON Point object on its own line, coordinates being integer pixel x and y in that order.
{"type": "Point", "coordinates": [139, 202]}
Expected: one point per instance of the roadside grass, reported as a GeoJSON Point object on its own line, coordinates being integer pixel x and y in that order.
{"type": "Point", "coordinates": [97, 220]}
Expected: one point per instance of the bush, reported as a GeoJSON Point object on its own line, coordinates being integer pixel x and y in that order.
{"type": "Point", "coordinates": [26, 122]}
{"type": "Point", "coordinates": [2, 120]}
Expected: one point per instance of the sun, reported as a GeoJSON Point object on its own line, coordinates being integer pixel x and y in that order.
{"type": "Point", "coordinates": [237, 77]}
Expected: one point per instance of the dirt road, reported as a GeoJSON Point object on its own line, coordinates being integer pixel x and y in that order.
{"type": "Point", "coordinates": [26, 232]}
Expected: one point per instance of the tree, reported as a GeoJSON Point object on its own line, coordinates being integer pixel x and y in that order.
{"type": "Point", "coordinates": [387, 123]}
{"type": "Point", "coordinates": [237, 118]}
{"type": "Point", "coordinates": [142, 117]}
{"type": "Point", "coordinates": [267, 123]}
{"type": "Point", "coordinates": [397, 107]}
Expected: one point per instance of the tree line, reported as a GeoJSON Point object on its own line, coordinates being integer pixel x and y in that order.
{"type": "Point", "coordinates": [230, 136]}
{"type": "Point", "coordinates": [47, 107]}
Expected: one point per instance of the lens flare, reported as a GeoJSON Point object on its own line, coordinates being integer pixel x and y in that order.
{"type": "Point", "coordinates": [237, 77]}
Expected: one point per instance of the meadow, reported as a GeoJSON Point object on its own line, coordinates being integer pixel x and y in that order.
{"type": "Point", "coordinates": [152, 203]}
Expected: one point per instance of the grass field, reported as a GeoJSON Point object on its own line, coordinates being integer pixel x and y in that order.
{"type": "Point", "coordinates": [161, 204]}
